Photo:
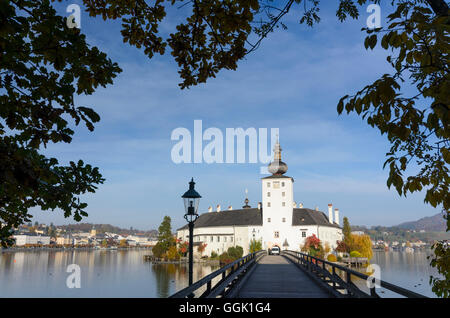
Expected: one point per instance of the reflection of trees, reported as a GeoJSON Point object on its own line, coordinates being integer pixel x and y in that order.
{"type": "Point", "coordinates": [171, 269]}
{"type": "Point", "coordinates": [163, 276]}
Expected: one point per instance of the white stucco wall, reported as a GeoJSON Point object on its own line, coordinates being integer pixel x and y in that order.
{"type": "Point", "coordinates": [219, 239]}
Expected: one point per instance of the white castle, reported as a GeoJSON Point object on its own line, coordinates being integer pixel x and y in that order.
{"type": "Point", "coordinates": [276, 221]}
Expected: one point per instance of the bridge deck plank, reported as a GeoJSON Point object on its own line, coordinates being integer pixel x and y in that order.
{"type": "Point", "coordinates": [276, 277]}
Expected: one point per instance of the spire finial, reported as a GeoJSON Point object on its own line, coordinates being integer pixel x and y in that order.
{"type": "Point", "coordinates": [246, 206]}
{"type": "Point", "coordinates": [277, 167]}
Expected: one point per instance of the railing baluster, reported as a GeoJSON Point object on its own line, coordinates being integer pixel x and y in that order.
{"type": "Point", "coordinates": [349, 281]}
{"type": "Point", "coordinates": [373, 292]}
{"type": "Point", "coordinates": [334, 273]}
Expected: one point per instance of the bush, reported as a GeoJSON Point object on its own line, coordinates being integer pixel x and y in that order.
{"type": "Point", "coordinates": [225, 258]}
{"type": "Point", "coordinates": [355, 254]}
{"type": "Point", "coordinates": [213, 254]}
{"type": "Point", "coordinates": [235, 252]}
{"type": "Point", "coordinates": [331, 258]}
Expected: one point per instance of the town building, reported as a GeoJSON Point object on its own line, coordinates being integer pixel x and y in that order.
{"type": "Point", "coordinates": [26, 239]}
{"type": "Point", "coordinates": [64, 240]}
{"type": "Point", "coordinates": [275, 221]}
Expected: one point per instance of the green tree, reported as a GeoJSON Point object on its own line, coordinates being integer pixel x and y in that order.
{"type": "Point", "coordinates": [43, 66]}
{"type": "Point", "coordinates": [158, 250]}
{"type": "Point", "coordinates": [416, 124]}
{"type": "Point", "coordinates": [165, 236]}
{"type": "Point", "coordinates": [441, 260]}
{"type": "Point", "coordinates": [347, 231]}
{"type": "Point", "coordinates": [51, 231]}
{"type": "Point", "coordinates": [255, 245]}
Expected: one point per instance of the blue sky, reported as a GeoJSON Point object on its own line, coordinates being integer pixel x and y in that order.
{"type": "Point", "coordinates": [292, 82]}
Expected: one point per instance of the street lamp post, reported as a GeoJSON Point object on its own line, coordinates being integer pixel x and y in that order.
{"type": "Point", "coordinates": [191, 199]}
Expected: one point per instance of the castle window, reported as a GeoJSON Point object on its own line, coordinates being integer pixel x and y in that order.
{"type": "Point", "coordinates": [282, 184]}
{"type": "Point", "coordinates": [268, 204]}
{"type": "Point", "coordinates": [224, 238]}
{"type": "Point", "coordinates": [283, 203]}
{"type": "Point", "coordinates": [218, 239]}
{"type": "Point", "coordinates": [212, 238]}
{"type": "Point", "coordinates": [277, 234]}
{"type": "Point", "coordinates": [268, 194]}
{"type": "Point", "coordinates": [283, 194]}
{"type": "Point", "coordinates": [276, 184]}
{"type": "Point", "coordinates": [231, 239]}
{"type": "Point", "coordinates": [268, 184]}
{"type": "Point", "coordinates": [304, 234]}
{"type": "Point", "coordinates": [268, 220]}
{"type": "Point", "coordinates": [284, 219]}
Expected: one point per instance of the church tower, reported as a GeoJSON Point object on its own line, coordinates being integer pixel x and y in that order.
{"type": "Point", "coordinates": [277, 202]}
{"type": "Point", "coordinates": [93, 231]}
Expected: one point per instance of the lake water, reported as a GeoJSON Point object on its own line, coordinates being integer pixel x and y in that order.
{"type": "Point", "coordinates": [124, 273]}
{"type": "Point", "coordinates": [408, 270]}
{"type": "Point", "coordinates": [104, 273]}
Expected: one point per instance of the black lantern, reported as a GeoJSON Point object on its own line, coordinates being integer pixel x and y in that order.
{"type": "Point", "coordinates": [191, 200]}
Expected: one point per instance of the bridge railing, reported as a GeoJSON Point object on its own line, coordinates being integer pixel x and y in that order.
{"type": "Point", "coordinates": [229, 275]}
{"type": "Point", "coordinates": [328, 273]}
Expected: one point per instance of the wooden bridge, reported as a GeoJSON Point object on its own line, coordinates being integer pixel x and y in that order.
{"type": "Point", "coordinates": [289, 275]}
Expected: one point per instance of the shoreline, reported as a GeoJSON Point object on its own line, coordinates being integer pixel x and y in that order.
{"type": "Point", "coordinates": [36, 249]}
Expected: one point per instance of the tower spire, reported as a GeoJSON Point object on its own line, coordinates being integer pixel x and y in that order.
{"type": "Point", "coordinates": [277, 167]}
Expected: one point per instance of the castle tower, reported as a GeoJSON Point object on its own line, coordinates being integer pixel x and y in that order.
{"type": "Point", "coordinates": [277, 205]}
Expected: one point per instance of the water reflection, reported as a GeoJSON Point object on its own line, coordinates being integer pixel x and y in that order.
{"type": "Point", "coordinates": [104, 273]}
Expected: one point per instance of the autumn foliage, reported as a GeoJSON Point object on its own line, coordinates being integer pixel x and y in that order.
{"type": "Point", "coordinates": [313, 246]}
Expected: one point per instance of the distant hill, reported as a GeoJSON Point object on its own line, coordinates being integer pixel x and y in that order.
{"type": "Point", "coordinates": [435, 223]}
{"type": "Point", "coordinates": [101, 228]}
